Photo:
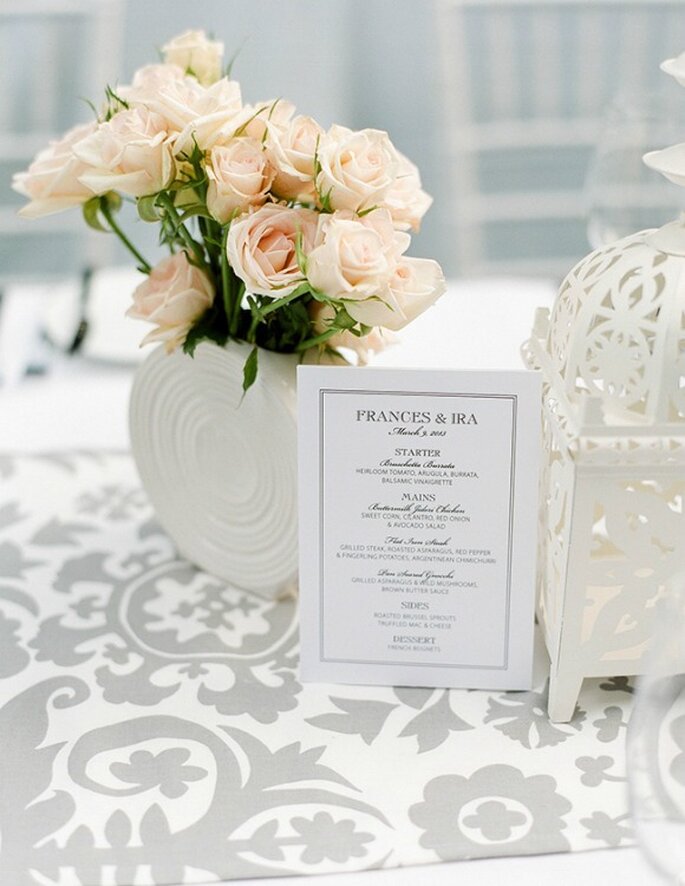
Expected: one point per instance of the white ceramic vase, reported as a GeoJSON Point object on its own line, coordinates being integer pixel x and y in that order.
{"type": "Point", "coordinates": [221, 469]}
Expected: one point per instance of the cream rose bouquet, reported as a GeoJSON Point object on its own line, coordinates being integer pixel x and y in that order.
{"type": "Point", "coordinates": [280, 234]}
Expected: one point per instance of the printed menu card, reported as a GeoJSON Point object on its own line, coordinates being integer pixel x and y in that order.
{"type": "Point", "coordinates": [418, 514]}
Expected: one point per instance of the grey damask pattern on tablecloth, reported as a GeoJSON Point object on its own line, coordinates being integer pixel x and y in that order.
{"type": "Point", "coordinates": [153, 729]}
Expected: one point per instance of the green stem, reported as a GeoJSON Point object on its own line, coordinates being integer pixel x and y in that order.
{"type": "Point", "coordinates": [279, 303]}
{"type": "Point", "coordinates": [317, 340]}
{"type": "Point", "coordinates": [192, 213]}
{"type": "Point", "coordinates": [226, 286]}
{"type": "Point", "coordinates": [259, 312]}
{"type": "Point", "coordinates": [145, 266]}
{"type": "Point", "coordinates": [235, 319]}
{"type": "Point", "coordinates": [181, 229]}
{"type": "Point", "coordinates": [253, 327]}
{"type": "Point", "coordinates": [210, 231]}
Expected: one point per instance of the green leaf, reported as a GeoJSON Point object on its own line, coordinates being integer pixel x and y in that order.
{"type": "Point", "coordinates": [91, 105]}
{"type": "Point", "coordinates": [111, 94]}
{"type": "Point", "coordinates": [193, 339]}
{"type": "Point", "coordinates": [114, 102]}
{"type": "Point", "coordinates": [273, 107]}
{"type": "Point", "coordinates": [250, 369]}
{"type": "Point", "coordinates": [147, 209]}
{"type": "Point", "coordinates": [241, 129]}
{"type": "Point", "coordinates": [229, 66]}
{"type": "Point", "coordinates": [270, 115]}
{"type": "Point", "coordinates": [210, 327]}
{"type": "Point", "coordinates": [325, 200]}
{"type": "Point", "coordinates": [200, 333]}
{"type": "Point", "coordinates": [91, 215]}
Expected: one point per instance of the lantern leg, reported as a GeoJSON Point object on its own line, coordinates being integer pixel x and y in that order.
{"type": "Point", "coordinates": [564, 690]}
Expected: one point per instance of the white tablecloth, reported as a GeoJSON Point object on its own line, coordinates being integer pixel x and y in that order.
{"type": "Point", "coordinates": [81, 404]}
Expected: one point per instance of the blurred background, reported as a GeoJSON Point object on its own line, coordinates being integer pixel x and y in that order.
{"type": "Point", "coordinates": [527, 118]}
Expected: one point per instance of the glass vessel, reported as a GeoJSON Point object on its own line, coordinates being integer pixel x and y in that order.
{"type": "Point", "coordinates": [622, 195]}
{"type": "Point", "coordinates": [656, 742]}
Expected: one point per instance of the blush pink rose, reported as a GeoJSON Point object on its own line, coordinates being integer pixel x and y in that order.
{"type": "Point", "coordinates": [206, 116]}
{"type": "Point", "coordinates": [173, 297]}
{"type": "Point", "coordinates": [195, 53]}
{"type": "Point", "coordinates": [261, 248]}
{"type": "Point", "coordinates": [191, 111]}
{"type": "Point", "coordinates": [129, 153]}
{"type": "Point", "coordinates": [151, 80]}
{"type": "Point", "coordinates": [405, 199]}
{"type": "Point", "coordinates": [52, 181]}
{"type": "Point", "coordinates": [292, 151]}
{"type": "Point", "coordinates": [354, 258]}
{"type": "Point", "coordinates": [414, 286]}
{"type": "Point", "coordinates": [356, 168]}
{"type": "Point", "coordinates": [240, 176]}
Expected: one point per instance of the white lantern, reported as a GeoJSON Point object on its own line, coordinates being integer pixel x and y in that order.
{"type": "Point", "coordinates": [612, 515]}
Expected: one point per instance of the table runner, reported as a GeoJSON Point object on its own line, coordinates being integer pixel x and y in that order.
{"type": "Point", "coordinates": [153, 729]}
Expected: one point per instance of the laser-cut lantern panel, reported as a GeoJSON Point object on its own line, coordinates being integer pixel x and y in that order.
{"type": "Point", "coordinates": [617, 331]}
{"type": "Point", "coordinates": [612, 524]}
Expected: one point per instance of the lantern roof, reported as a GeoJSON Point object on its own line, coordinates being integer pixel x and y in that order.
{"type": "Point", "coordinates": [612, 351]}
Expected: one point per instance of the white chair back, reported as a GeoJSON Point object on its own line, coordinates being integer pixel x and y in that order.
{"type": "Point", "coordinates": [525, 85]}
{"type": "Point", "coordinates": [54, 54]}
